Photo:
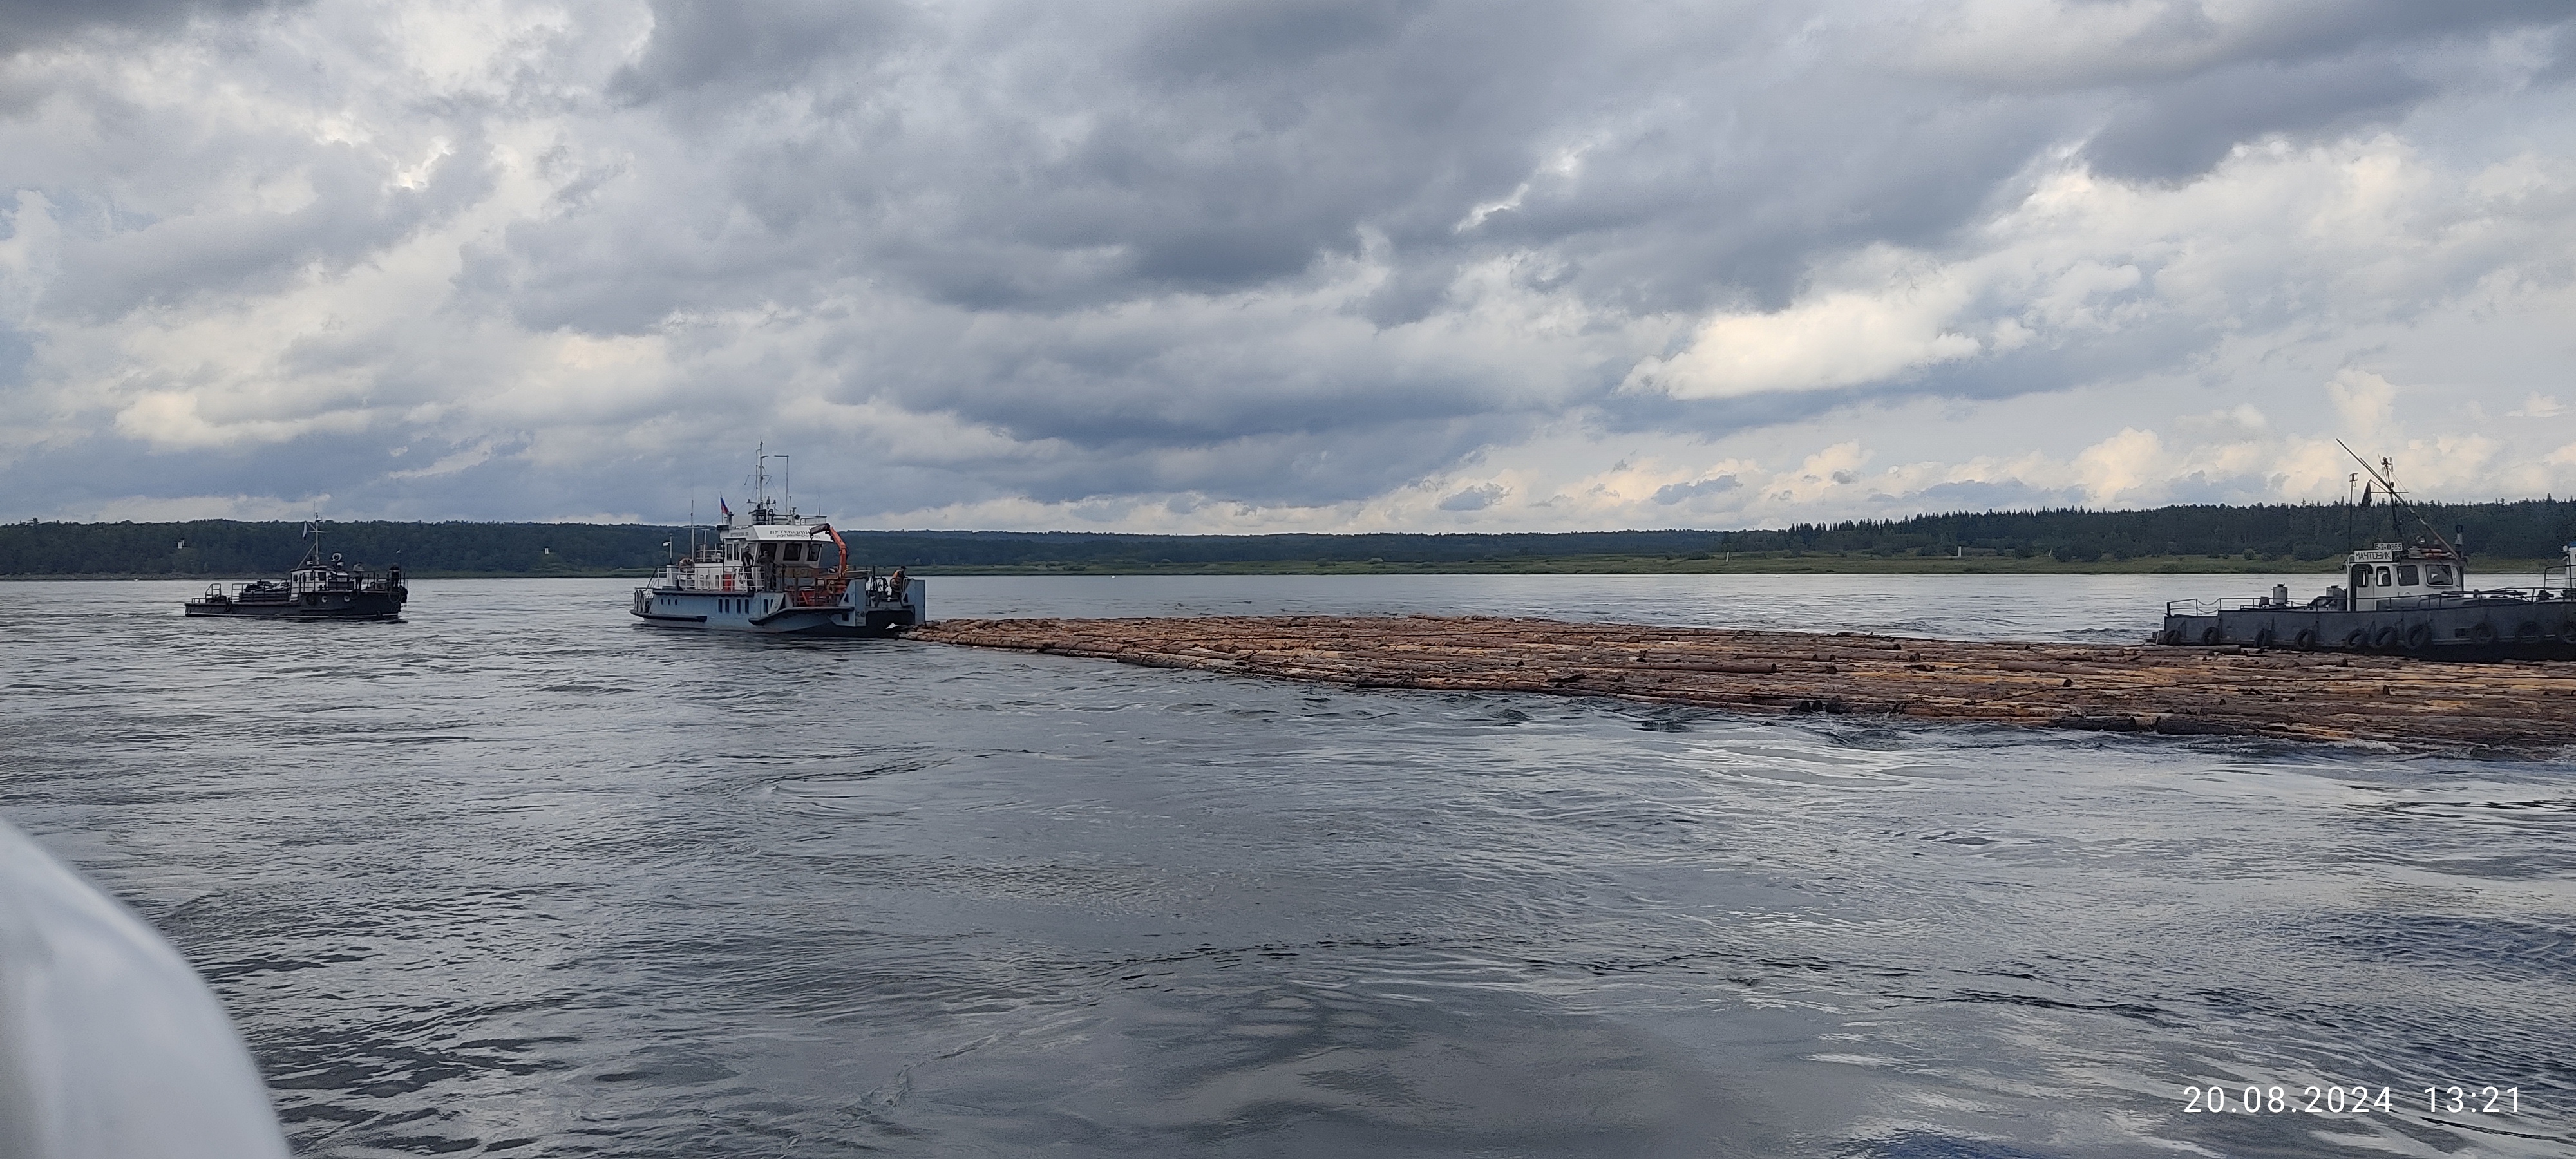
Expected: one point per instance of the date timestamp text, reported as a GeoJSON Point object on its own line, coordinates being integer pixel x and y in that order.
{"type": "Point", "coordinates": [2351, 1100]}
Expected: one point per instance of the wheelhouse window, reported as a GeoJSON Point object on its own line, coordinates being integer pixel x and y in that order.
{"type": "Point", "coordinates": [2438, 575]}
{"type": "Point", "coordinates": [2406, 576]}
{"type": "Point", "coordinates": [2384, 580]}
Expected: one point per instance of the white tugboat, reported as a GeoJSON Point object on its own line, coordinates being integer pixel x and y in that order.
{"type": "Point", "coordinates": [767, 573]}
{"type": "Point", "coordinates": [2405, 597]}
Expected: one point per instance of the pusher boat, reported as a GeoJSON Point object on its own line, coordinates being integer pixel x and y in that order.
{"type": "Point", "coordinates": [2400, 597]}
{"type": "Point", "coordinates": [767, 573]}
{"type": "Point", "coordinates": [318, 589]}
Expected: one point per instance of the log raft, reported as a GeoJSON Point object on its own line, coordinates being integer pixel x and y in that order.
{"type": "Point", "coordinates": [2184, 691]}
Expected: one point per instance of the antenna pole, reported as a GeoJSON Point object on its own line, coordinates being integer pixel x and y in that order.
{"type": "Point", "coordinates": [2385, 474]}
{"type": "Point", "coordinates": [2351, 484]}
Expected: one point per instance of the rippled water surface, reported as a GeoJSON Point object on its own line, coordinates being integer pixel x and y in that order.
{"type": "Point", "coordinates": [515, 877]}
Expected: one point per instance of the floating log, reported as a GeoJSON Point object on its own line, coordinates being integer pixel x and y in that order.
{"type": "Point", "coordinates": [2174, 691]}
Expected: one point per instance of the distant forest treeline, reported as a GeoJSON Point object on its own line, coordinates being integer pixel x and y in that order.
{"type": "Point", "coordinates": [2528, 529]}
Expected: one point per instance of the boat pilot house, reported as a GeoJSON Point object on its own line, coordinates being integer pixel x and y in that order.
{"type": "Point", "coordinates": [2387, 574]}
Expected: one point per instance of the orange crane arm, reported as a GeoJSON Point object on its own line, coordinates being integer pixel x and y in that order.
{"type": "Point", "coordinates": [841, 570]}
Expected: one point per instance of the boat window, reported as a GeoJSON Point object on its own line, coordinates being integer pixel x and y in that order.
{"type": "Point", "coordinates": [2438, 574]}
{"type": "Point", "coordinates": [2406, 576]}
{"type": "Point", "coordinates": [2383, 577]}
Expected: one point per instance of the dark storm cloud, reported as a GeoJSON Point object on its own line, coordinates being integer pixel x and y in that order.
{"type": "Point", "coordinates": [742, 46]}
{"type": "Point", "coordinates": [352, 216]}
{"type": "Point", "coordinates": [1227, 148]}
{"type": "Point", "coordinates": [1285, 252]}
{"type": "Point", "coordinates": [26, 24]}
{"type": "Point", "coordinates": [1084, 163]}
{"type": "Point", "coordinates": [2182, 131]}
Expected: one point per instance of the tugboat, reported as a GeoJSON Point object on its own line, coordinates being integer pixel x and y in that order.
{"type": "Point", "coordinates": [318, 589]}
{"type": "Point", "coordinates": [2402, 597]}
{"type": "Point", "coordinates": [766, 573]}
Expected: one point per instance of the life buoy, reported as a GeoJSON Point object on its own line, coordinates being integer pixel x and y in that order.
{"type": "Point", "coordinates": [2387, 637]}
{"type": "Point", "coordinates": [2306, 640]}
{"type": "Point", "coordinates": [2420, 636]}
{"type": "Point", "coordinates": [2483, 633]}
{"type": "Point", "coordinates": [2209, 635]}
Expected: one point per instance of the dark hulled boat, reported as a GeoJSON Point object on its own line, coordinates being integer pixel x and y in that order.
{"type": "Point", "coordinates": [318, 589]}
{"type": "Point", "coordinates": [2403, 598]}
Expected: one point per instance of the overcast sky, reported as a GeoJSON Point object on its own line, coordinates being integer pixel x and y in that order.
{"type": "Point", "coordinates": [1374, 265]}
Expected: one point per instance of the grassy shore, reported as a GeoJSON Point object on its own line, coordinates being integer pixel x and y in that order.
{"type": "Point", "coordinates": [2486, 572]}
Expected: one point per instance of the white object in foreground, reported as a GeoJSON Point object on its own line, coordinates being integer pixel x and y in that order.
{"type": "Point", "coordinates": [110, 1046]}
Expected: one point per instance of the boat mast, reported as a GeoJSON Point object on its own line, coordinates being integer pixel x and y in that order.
{"type": "Point", "coordinates": [2386, 474]}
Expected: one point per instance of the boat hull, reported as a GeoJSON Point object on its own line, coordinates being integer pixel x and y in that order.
{"type": "Point", "coordinates": [2496, 630]}
{"type": "Point", "coordinates": [310, 606]}
{"type": "Point", "coordinates": [772, 614]}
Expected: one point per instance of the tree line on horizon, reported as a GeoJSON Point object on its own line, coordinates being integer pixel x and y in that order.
{"type": "Point", "coordinates": [2524, 529]}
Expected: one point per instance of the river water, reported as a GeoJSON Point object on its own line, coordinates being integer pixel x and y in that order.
{"type": "Point", "coordinates": [515, 877]}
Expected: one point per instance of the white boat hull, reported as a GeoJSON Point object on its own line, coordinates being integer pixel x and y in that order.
{"type": "Point", "coordinates": [777, 614]}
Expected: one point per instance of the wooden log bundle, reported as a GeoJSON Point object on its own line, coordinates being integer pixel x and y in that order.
{"type": "Point", "coordinates": [2140, 688]}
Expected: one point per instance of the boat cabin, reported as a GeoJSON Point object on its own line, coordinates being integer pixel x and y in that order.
{"type": "Point", "coordinates": [754, 554]}
{"type": "Point", "coordinates": [780, 557]}
{"type": "Point", "coordinates": [2396, 575]}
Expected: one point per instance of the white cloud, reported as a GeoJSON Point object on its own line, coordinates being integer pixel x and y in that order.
{"type": "Point", "coordinates": [2364, 401]}
{"type": "Point", "coordinates": [1842, 338]}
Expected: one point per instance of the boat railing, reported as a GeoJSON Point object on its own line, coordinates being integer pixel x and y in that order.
{"type": "Point", "coordinates": [263, 589]}
{"type": "Point", "coordinates": [2213, 607]}
{"type": "Point", "coordinates": [2417, 602]}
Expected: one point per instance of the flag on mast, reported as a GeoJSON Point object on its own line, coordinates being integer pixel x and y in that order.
{"type": "Point", "coordinates": [723, 506]}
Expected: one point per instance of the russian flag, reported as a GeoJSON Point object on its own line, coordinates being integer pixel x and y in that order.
{"type": "Point", "coordinates": [723, 506]}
